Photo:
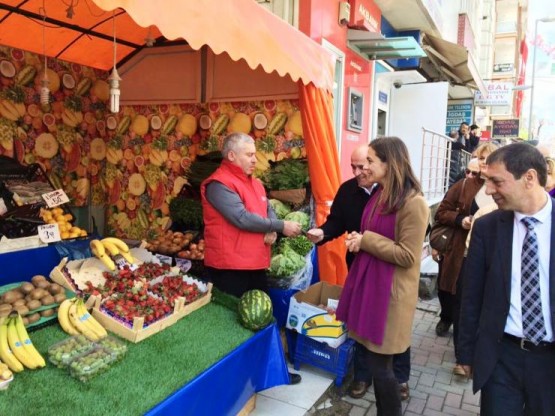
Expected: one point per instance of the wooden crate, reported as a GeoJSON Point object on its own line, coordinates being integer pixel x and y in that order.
{"type": "Point", "coordinates": [138, 332]}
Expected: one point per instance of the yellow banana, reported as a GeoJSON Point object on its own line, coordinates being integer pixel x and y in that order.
{"type": "Point", "coordinates": [99, 251]}
{"type": "Point", "coordinates": [63, 317]}
{"type": "Point", "coordinates": [6, 354]}
{"type": "Point", "coordinates": [18, 348]}
{"type": "Point", "coordinates": [88, 319]}
{"type": "Point", "coordinates": [111, 248]}
{"type": "Point", "coordinates": [80, 325]}
{"type": "Point", "coordinates": [27, 343]}
{"type": "Point", "coordinates": [123, 248]}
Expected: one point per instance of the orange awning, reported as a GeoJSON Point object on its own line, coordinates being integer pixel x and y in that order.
{"type": "Point", "coordinates": [241, 28]}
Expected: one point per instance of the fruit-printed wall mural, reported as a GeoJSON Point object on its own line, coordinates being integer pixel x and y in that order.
{"type": "Point", "coordinates": [133, 162]}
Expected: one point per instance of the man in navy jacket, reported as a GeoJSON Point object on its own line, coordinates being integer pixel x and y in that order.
{"type": "Point", "coordinates": [512, 361]}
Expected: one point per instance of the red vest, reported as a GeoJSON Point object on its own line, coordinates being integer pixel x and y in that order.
{"type": "Point", "coordinates": [228, 247]}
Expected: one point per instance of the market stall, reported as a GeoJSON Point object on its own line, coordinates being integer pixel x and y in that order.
{"type": "Point", "coordinates": [130, 162]}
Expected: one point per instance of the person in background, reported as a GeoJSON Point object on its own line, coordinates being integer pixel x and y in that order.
{"type": "Point", "coordinates": [379, 298]}
{"type": "Point", "coordinates": [239, 224]}
{"type": "Point", "coordinates": [456, 209]}
{"type": "Point", "coordinates": [507, 324]}
{"type": "Point", "coordinates": [345, 215]}
{"type": "Point", "coordinates": [473, 168]}
{"type": "Point", "coordinates": [473, 139]}
{"type": "Point", "coordinates": [550, 183]}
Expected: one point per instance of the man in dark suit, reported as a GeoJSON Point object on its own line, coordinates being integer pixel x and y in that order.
{"type": "Point", "coordinates": [506, 336]}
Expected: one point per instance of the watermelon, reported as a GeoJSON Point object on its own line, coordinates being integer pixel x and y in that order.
{"type": "Point", "coordinates": [255, 310]}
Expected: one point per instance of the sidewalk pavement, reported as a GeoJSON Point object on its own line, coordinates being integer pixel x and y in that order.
{"type": "Point", "coordinates": [434, 390]}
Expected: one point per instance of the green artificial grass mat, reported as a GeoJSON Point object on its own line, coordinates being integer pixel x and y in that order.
{"type": "Point", "coordinates": [151, 371]}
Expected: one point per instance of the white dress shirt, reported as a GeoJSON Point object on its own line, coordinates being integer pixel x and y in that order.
{"type": "Point", "coordinates": [543, 233]}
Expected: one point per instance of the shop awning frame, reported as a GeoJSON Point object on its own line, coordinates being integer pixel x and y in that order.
{"type": "Point", "coordinates": [454, 62]}
{"type": "Point", "coordinates": [375, 47]}
{"type": "Point", "coordinates": [241, 28]}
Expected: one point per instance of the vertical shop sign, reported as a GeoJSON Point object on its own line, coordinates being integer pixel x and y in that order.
{"type": "Point", "coordinates": [365, 15]}
{"type": "Point", "coordinates": [458, 113]}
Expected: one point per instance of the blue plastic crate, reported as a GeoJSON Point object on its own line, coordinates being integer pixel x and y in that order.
{"type": "Point", "coordinates": [321, 355]}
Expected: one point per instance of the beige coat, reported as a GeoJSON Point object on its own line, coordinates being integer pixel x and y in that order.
{"type": "Point", "coordinates": [405, 253]}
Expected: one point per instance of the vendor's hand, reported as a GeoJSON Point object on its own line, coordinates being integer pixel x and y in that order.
{"type": "Point", "coordinates": [353, 242]}
{"type": "Point", "coordinates": [467, 222]}
{"type": "Point", "coordinates": [315, 235]}
{"type": "Point", "coordinates": [270, 238]}
{"type": "Point", "coordinates": [291, 228]}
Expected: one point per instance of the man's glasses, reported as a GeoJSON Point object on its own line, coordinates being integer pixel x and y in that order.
{"type": "Point", "coordinates": [472, 172]}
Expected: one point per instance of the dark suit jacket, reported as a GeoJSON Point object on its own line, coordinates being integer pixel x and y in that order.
{"type": "Point", "coordinates": [486, 292]}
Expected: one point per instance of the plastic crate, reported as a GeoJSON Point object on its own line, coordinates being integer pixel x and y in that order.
{"type": "Point", "coordinates": [321, 355]}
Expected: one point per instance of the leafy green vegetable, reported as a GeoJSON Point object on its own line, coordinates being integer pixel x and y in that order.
{"type": "Point", "coordinates": [287, 174]}
{"type": "Point", "coordinates": [279, 208]}
{"type": "Point", "coordinates": [286, 264]}
{"type": "Point", "coordinates": [300, 245]}
{"type": "Point", "coordinates": [300, 217]}
{"type": "Point", "coordinates": [187, 212]}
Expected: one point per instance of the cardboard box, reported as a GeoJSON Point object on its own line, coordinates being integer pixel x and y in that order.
{"type": "Point", "coordinates": [308, 319]}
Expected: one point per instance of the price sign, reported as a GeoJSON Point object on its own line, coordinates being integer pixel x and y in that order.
{"type": "Point", "coordinates": [183, 264]}
{"type": "Point", "coordinates": [49, 233]}
{"type": "Point", "coordinates": [164, 259]}
{"type": "Point", "coordinates": [55, 198]}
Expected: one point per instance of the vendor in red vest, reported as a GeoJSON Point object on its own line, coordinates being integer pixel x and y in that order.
{"type": "Point", "coordinates": [239, 224]}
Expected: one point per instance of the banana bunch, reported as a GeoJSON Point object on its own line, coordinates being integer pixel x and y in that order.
{"type": "Point", "coordinates": [5, 372]}
{"type": "Point", "coordinates": [16, 348]}
{"type": "Point", "coordinates": [75, 319]}
{"type": "Point", "coordinates": [108, 248]}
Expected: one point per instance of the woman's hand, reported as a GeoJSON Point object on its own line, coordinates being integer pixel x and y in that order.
{"type": "Point", "coordinates": [467, 222]}
{"type": "Point", "coordinates": [353, 242]}
{"type": "Point", "coordinates": [436, 255]}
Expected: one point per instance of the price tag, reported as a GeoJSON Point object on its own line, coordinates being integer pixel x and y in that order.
{"type": "Point", "coordinates": [49, 233]}
{"type": "Point", "coordinates": [183, 264]}
{"type": "Point", "coordinates": [55, 198]}
{"type": "Point", "coordinates": [165, 259]}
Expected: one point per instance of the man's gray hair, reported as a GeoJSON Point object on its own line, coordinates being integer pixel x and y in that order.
{"type": "Point", "coordinates": [233, 141]}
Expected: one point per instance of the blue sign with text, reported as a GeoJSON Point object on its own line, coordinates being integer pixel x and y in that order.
{"type": "Point", "coordinates": [456, 114]}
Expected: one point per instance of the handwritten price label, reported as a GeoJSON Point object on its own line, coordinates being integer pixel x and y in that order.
{"type": "Point", "coordinates": [49, 233]}
{"type": "Point", "coordinates": [183, 264]}
{"type": "Point", "coordinates": [55, 198]}
{"type": "Point", "coordinates": [164, 259]}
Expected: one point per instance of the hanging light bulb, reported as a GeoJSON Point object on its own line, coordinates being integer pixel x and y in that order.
{"type": "Point", "coordinates": [114, 78]}
{"type": "Point", "coordinates": [149, 40]}
{"type": "Point", "coordinates": [45, 82]}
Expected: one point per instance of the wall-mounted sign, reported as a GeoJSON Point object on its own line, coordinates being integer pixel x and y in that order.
{"type": "Point", "coordinates": [505, 128]}
{"type": "Point", "coordinates": [356, 108]}
{"type": "Point", "coordinates": [365, 15]}
{"type": "Point", "coordinates": [498, 94]}
{"type": "Point", "coordinates": [457, 113]}
{"type": "Point", "coordinates": [503, 68]}
{"type": "Point", "coordinates": [382, 97]}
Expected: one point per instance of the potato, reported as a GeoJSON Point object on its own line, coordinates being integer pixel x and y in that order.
{"type": "Point", "coordinates": [59, 297]}
{"type": "Point", "coordinates": [55, 288]}
{"type": "Point", "coordinates": [5, 312]}
{"type": "Point", "coordinates": [19, 302]}
{"type": "Point", "coordinates": [34, 304]}
{"type": "Point", "coordinates": [43, 284]}
{"type": "Point", "coordinates": [10, 296]}
{"type": "Point", "coordinates": [38, 278]}
{"type": "Point", "coordinates": [25, 320]}
{"type": "Point", "coordinates": [26, 288]}
{"type": "Point", "coordinates": [5, 307]}
{"type": "Point", "coordinates": [22, 309]}
{"type": "Point", "coordinates": [38, 293]}
{"type": "Point", "coordinates": [47, 300]}
{"type": "Point", "coordinates": [28, 298]}
{"type": "Point", "coordinates": [47, 312]}
{"type": "Point", "coordinates": [33, 318]}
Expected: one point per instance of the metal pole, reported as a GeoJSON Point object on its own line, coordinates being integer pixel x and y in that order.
{"type": "Point", "coordinates": [532, 84]}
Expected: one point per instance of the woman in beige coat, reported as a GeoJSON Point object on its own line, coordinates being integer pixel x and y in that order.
{"type": "Point", "coordinates": [380, 294]}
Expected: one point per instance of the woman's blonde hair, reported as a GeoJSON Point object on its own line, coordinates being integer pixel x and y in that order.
{"type": "Point", "coordinates": [485, 147]}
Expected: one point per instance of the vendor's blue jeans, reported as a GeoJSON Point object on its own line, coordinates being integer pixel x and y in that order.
{"type": "Point", "coordinates": [401, 365]}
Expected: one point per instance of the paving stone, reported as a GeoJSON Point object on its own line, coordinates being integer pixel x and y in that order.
{"type": "Point", "coordinates": [358, 411]}
{"type": "Point", "coordinates": [471, 408]}
{"type": "Point", "coordinates": [416, 405]}
{"type": "Point", "coordinates": [356, 402]}
{"type": "Point", "coordinates": [426, 380]}
{"type": "Point", "coordinates": [424, 369]}
{"type": "Point", "coordinates": [453, 400]}
{"type": "Point", "coordinates": [471, 398]}
{"type": "Point", "coordinates": [457, 412]}
{"type": "Point", "coordinates": [432, 412]}
{"type": "Point", "coordinates": [435, 402]}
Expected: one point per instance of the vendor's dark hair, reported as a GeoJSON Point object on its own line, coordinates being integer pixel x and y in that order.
{"type": "Point", "coordinates": [400, 181]}
{"type": "Point", "coordinates": [518, 158]}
